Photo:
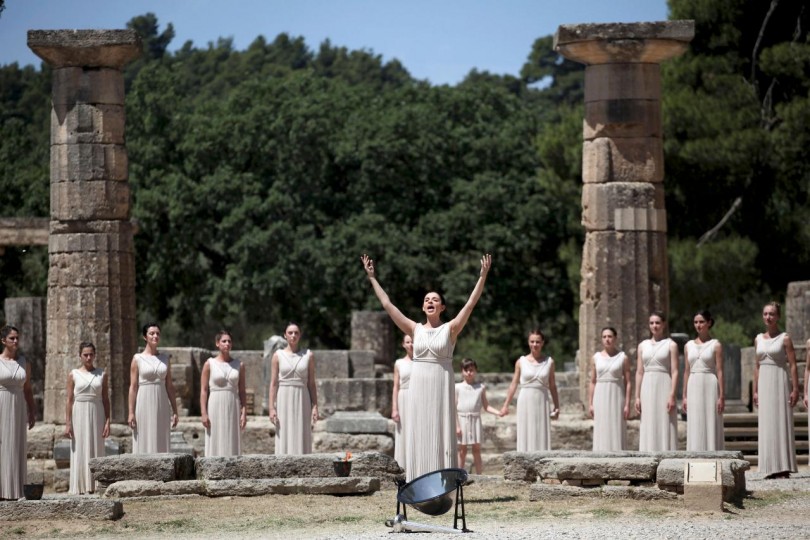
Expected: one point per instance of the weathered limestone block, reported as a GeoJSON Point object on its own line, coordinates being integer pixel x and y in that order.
{"type": "Point", "coordinates": [257, 377]}
{"type": "Point", "coordinates": [547, 492]}
{"type": "Point", "coordinates": [192, 360]}
{"type": "Point", "coordinates": [637, 493]}
{"type": "Point", "coordinates": [670, 475]}
{"type": "Point", "coordinates": [152, 488]}
{"type": "Point", "coordinates": [622, 118]}
{"type": "Point", "coordinates": [305, 466]}
{"type": "Point", "coordinates": [357, 422]}
{"type": "Point", "coordinates": [637, 159]}
{"type": "Point", "coordinates": [90, 199]}
{"type": "Point", "coordinates": [87, 162]}
{"type": "Point", "coordinates": [86, 48]}
{"type": "Point", "coordinates": [17, 231]}
{"type": "Point", "coordinates": [361, 364]}
{"type": "Point", "coordinates": [374, 331]}
{"type": "Point", "coordinates": [604, 206]}
{"type": "Point", "coordinates": [797, 311]}
{"type": "Point", "coordinates": [340, 443]}
{"type": "Point", "coordinates": [292, 486]}
{"type": "Point", "coordinates": [643, 42]}
{"type": "Point", "coordinates": [41, 440]}
{"type": "Point", "coordinates": [161, 467]}
{"type": "Point", "coordinates": [331, 364]}
{"type": "Point", "coordinates": [89, 123]}
{"type": "Point", "coordinates": [72, 508]}
{"type": "Point", "coordinates": [628, 81]}
{"type": "Point", "coordinates": [355, 395]}
{"type": "Point", "coordinates": [613, 468]}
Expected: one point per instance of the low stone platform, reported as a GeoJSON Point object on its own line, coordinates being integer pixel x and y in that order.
{"type": "Point", "coordinates": [544, 492]}
{"type": "Point", "coordinates": [245, 487]}
{"type": "Point", "coordinates": [68, 508]}
{"type": "Point", "coordinates": [575, 472]}
{"type": "Point", "coordinates": [159, 467]}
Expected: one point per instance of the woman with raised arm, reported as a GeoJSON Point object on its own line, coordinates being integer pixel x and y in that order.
{"type": "Point", "coordinates": [431, 408]}
{"type": "Point", "coordinates": [17, 412]}
{"type": "Point", "coordinates": [151, 396]}
{"type": "Point", "coordinates": [776, 391]}
{"type": "Point", "coordinates": [534, 373]}
{"type": "Point", "coordinates": [293, 395]}
{"type": "Point", "coordinates": [222, 400]}
{"type": "Point", "coordinates": [703, 386]}
{"type": "Point", "coordinates": [87, 418]}
{"type": "Point", "coordinates": [656, 381]}
{"type": "Point", "coordinates": [609, 393]}
{"type": "Point", "coordinates": [402, 378]}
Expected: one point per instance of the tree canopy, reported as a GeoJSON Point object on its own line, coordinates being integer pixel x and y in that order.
{"type": "Point", "coordinates": [260, 176]}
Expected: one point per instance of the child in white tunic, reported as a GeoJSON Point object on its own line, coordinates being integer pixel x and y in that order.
{"type": "Point", "coordinates": [471, 397]}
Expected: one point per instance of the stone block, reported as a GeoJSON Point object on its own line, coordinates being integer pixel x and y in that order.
{"type": "Point", "coordinates": [293, 486]}
{"type": "Point", "coordinates": [339, 443]}
{"type": "Point", "coordinates": [637, 159]}
{"type": "Point", "coordinates": [622, 81]}
{"type": "Point", "coordinates": [374, 331]}
{"type": "Point", "coordinates": [355, 395]}
{"type": "Point", "coordinates": [178, 444]}
{"type": "Point", "coordinates": [797, 311]}
{"type": "Point", "coordinates": [60, 482]}
{"type": "Point", "coordinates": [61, 453]}
{"type": "Point", "coordinates": [732, 475]}
{"type": "Point", "coordinates": [74, 85]}
{"type": "Point", "coordinates": [622, 118]}
{"type": "Point", "coordinates": [357, 422]}
{"type": "Point", "coordinates": [152, 488]}
{"type": "Point", "coordinates": [361, 364]}
{"type": "Point", "coordinates": [41, 440]}
{"type": "Point", "coordinates": [703, 497]}
{"type": "Point", "coordinates": [545, 492]}
{"type": "Point", "coordinates": [87, 162]}
{"type": "Point", "coordinates": [637, 493]}
{"type": "Point", "coordinates": [608, 206]}
{"type": "Point", "coordinates": [161, 467]}
{"type": "Point", "coordinates": [331, 364]}
{"type": "Point", "coordinates": [58, 509]}
{"type": "Point", "coordinates": [90, 199]}
{"type": "Point", "coordinates": [304, 466]}
{"type": "Point", "coordinates": [257, 377]}
{"type": "Point", "coordinates": [89, 123]}
{"type": "Point", "coordinates": [600, 470]}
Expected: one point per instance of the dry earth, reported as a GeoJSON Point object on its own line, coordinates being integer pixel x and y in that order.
{"type": "Point", "coordinates": [495, 509]}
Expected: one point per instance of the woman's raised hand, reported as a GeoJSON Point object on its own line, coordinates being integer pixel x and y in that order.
{"type": "Point", "coordinates": [486, 264]}
{"type": "Point", "coordinates": [368, 265]}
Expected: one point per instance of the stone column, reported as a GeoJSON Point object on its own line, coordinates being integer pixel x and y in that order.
{"type": "Point", "coordinates": [91, 279]}
{"type": "Point", "coordinates": [373, 331]}
{"type": "Point", "coordinates": [624, 258]}
{"type": "Point", "coordinates": [28, 314]}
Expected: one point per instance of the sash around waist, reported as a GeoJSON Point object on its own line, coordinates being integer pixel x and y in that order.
{"type": "Point", "coordinates": [149, 383]}
{"type": "Point", "coordinates": [470, 414]}
{"type": "Point", "coordinates": [84, 398]}
{"type": "Point", "coordinates": [441, 361]}
{"type": "Point", "coordinates": [705, 371]}
{"type": "Point", "coordinates": [403, 386]}
{"type": "Point", "coordinates": [768, 361]}
{"type": "Point", "coordinates": [222, 389]}
{"type": "Point", "coordinates": [534, 384]}
{"type": "Point", "coordinates": [607, 379]}
{"type": "Point", "coordinates": [656, 369]}
{"type": "Point", "coordinates": [10, 390]}
{"type": "Point", "coordinates": [291, 382]}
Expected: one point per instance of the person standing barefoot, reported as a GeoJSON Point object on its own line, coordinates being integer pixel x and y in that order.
{"type": "Point", "coordinates": [656, 381]}
{"type": "Point", "coordinates": [222, 400]}
{"type": "Point", "coordinates": [776, 391]}
{"type": "Point", "coordinates": [471, 398]}
{"type": "Point", "coordinates": [609, 395]}
{"type": "Point", "coordinates": [703, 385]}
{"type": "Point", "coordinates": [293, 395]}
{"type": "Point", "coordinates": [402, 379]}
{"type": "Point", "coordinates": [87, 419]}
{"type": "Point", "coordinates": [538, 387]}
{"type": "Point", "coordinates": [431, 409]}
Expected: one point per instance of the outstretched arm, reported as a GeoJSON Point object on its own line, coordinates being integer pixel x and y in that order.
{"type": "Point", "coordinates": [402, 322]}
{"type": "Point", "coordinates": [457, 324]}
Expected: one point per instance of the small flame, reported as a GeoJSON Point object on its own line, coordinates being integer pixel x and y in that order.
{"type": "Point", "coordinates": [348, 456]}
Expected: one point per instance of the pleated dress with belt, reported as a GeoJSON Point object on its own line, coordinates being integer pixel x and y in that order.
{"type": "Point", "coordinates": [403, 366]}
{"type": "Point", "coordinates": [223, 438]}
{"type": "Point", "coordinates": [88, 425]}
{"type": "Point", "coordinates": [153, 412]}
{"type": "Point", "coordinates": [13, 426]}
{"type": "Point", "coordinates": [533, 410]}
{"type": "Point", "coordinates": [293, 404]}
{"type": "Point", "coordinates": [777, 441]}
{"type": "Point", "coordinates": [609, 425]}
{"type": "Point", "coordinates": [704, 425]}
{"type": "Point", "coordinates": [658, 431]}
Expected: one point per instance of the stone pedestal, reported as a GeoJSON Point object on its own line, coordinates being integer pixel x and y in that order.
{"type": "Point", "coordinates": [28, 314]}
{"type": "Point", "coordinates": [797, 311]}
{"type": "Point", "coordinates": [373, 331]}
{"type": "Point", "coordinates": [91, 279]}
{"type": "Point", "coordinates": [624, 258]}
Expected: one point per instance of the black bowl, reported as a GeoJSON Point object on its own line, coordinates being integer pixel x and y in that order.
{"type": "Point", "coordinates": [432, 493]}
{"type": "Point", "coordinates": [33, 492]}
{"type": "Point", "coordinates": [342, 468]}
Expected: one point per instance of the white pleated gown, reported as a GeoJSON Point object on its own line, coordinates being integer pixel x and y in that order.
{"type": "Point", "coordinates": [88, 425]}
{"type": "Point", "coordinates": [704, 425]}
{"type": "Point", "coordinates": [658, 430]}
{"type": "Point", "coordinates": [431, 410]}
{"type": "Point", "coordinates": [293, 404]}
{"type": "Point", "coordinates": [13, 426]}
{"type": "Point", "coordinates": [223, 438]}
{"type": "Point", "coordinates": [469, 403]}
{"type": "Point", "coordinates": [777, 441]}
{"type": "Point", "coordinates": [400, 446]}
{"type": "Point", "coordinates": [609, 425]}
{"type": "Point", "coordinates": [153, 412]}
{"type": "Point", "coordinates": [533, 406]}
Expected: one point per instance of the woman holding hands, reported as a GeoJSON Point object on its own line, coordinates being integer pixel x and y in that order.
{"type": "Point", "coordinates": [222, 400]}
{"type": "Point", "coordinates": [703, 385]}
{"type": "Point", "coordinates": [609, 392]}
{"type": "Point", "coordinates": [402, 379]}
{"type": "Point", "coordinates": [431, 408]}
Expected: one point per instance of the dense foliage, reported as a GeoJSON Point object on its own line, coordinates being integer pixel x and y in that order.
{"type": "Point", "coordinates": [260, 176]}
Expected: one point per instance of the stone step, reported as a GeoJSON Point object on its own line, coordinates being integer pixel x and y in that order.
{"type": "Point", "coordinates": [356, 485]}
{"type": "Point", "coordinates": [753, 445]}
{"type": "Point", "coordinates": [61, 508]}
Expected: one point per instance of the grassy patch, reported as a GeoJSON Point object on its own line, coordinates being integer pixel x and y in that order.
{"type": "Point", "coordinates": [605, 513]}
{"type": "Point", "coordinates": [652, 511]}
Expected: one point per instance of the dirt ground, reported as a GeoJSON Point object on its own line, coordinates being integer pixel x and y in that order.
{"type": "Point", "coordinates": [493, 508]}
